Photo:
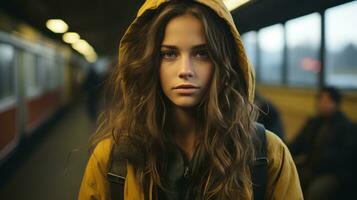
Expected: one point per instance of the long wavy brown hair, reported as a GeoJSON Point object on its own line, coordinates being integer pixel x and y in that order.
{"type": "Point", "coordinates": [139, 109]}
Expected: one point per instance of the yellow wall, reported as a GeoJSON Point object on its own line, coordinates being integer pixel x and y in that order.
{"type": "Point", "coordinates": [296, 105]}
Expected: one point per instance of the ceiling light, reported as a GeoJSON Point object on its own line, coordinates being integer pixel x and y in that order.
{"type": "Point", "coordinates": [84, 48]}
{"type": "Point", "coordinates": [57, 25]}
{"type": "Point", "coordinates": [91, 57]}
{"type": "Point", "coordinates": [70, 37]}
{"type": "Point", "coordinates": [233, 4]}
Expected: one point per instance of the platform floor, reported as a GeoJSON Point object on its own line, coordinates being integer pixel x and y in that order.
{"type": "Point", "coordinates": [51, 166]}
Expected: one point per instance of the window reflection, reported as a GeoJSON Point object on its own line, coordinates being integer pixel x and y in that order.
{"type": "Point", "coordinates": [303, 43]}
{"type": "Point", "coordinates": [250, 44]}
{"type": "Point", "coordinates": [7, 74]}
{"type": "Point", "coordinates": [341, 45]}
{"type": "Point", "coordinates": [271, 43]}
{"type": "Point", "coordinates": [32, 70]}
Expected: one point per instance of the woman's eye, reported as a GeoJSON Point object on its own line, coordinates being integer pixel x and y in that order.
{"type": "Point", "coordinates": [168, 54]}
{"type": "Point", "coordinates": [202, 54]}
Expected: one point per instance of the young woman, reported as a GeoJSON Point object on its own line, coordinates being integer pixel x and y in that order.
{"type": "Point", "coordinates": [183, 110]}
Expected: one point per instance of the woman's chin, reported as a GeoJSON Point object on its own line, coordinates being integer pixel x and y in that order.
{"type": "Point", "coordinates": [185, 103]}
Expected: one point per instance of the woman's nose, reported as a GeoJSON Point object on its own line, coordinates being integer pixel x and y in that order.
{"type": "Point", "coordinates": [186, 68]}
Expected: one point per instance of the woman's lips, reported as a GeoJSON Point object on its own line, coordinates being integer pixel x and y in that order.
{"type": "Point", "coordinates": [186, 89]}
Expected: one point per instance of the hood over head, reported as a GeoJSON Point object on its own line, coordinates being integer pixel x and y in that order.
{"type": "Point", "coordinates": [220, 9]}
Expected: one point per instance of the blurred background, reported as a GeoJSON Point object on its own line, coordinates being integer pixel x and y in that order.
{"type": "Point", "coordinates": [56, 55]}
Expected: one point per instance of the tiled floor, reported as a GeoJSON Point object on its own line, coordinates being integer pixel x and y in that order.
{"type": "Point", "coordinates": [54, 167]}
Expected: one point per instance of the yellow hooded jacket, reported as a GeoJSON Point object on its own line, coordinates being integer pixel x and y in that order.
{"type": "Point", "coordinates": [282, 181]}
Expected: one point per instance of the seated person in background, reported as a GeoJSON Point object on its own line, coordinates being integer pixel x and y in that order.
{"type": "Point", "coordinates": [268, 115]}
{"type": "Point", "coordinates": [321, 150]}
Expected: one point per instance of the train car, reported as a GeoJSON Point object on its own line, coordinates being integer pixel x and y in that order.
{"type": "Point", "coordinates": [37, 79]}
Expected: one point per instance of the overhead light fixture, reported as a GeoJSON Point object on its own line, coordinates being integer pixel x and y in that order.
{"type": "Point", "coordinates": [91, 57]}
{"type": "Point", "coordinates": [57, 25]}
{"type": "Point", "coordinates": [233, 4]}
{"type": "Point", "coordinates": [70, 37]}
{"type": "Point", "coordinates": [84, 48]}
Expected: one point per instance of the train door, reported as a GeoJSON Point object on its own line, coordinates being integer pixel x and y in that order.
{"type": "Point", "coordinates": [34, 90]}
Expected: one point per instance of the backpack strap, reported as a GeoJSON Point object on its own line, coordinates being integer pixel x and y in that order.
{"type": "Point", "coordinates": [117, 173]}
{"type": "Point", "coordinates": [259, 171]}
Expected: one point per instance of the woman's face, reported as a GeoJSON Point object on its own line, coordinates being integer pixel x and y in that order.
{"type": "Point", "coordinates": [186, 69]}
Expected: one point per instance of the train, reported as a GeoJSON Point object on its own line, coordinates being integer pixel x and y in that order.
{"type": "Point", "coordinates": [38, 77]}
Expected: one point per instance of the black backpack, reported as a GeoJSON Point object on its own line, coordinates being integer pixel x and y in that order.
{"type": "Point", "coordinates": [117, 169]}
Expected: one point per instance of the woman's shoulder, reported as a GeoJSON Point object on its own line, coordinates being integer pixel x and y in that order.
{"type": "Point", "coordinates": [103, 146]}
{"type": "Point", "coordinates": [274, 143]}
{"type": "Point", "coordinates": [277, 151]}
{"type": "Point", "coordinates": [283, 179]}
{"type": "Point", "coordinates": [101, 152]}
{"type": "Point", "coordinates": [94, 183]}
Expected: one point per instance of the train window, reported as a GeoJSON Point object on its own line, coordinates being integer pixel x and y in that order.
{"type": "Point", "coordinates": [55, 74]}
{"type": "Point", "coordinates": [44, 72]}
{"type": "Point", "coordinates": [271, 44]}
{"type": "Point", "coordinates": [341, 45]}
{"type": "Point", "coordinates": [250, 44]}
{"type": "Point", "coordinates": [52, 73]}
{"type": "Point", "coordinates": [7, 72]}
{"type": "Point", "coordinates": [33, 83]}
{"type": "Point", "coordinates": [303, 49]}
{"type": "Point", "coordinates": [60, 71]}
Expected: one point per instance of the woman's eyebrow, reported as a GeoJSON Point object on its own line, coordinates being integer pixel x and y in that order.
{"type": "Point", "coordinates": [195, 47]}
{"type": "Point", "coordinates": [169, 47]}
{"type": "Point", "coordinates": [200, 46]}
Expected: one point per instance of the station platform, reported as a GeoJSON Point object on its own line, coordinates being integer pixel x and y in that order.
{"type": "Point", "coordinates": [51, 165]}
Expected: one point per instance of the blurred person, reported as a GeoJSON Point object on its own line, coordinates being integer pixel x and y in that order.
{"type": "Point", "coordinates": [269, 115]}
{"type": "Point", "coordinates": [321, 149]}
{"type": "Point", "coordinates": [93, 86]}
{"type": "Point", "coordinates": [184, 122]}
